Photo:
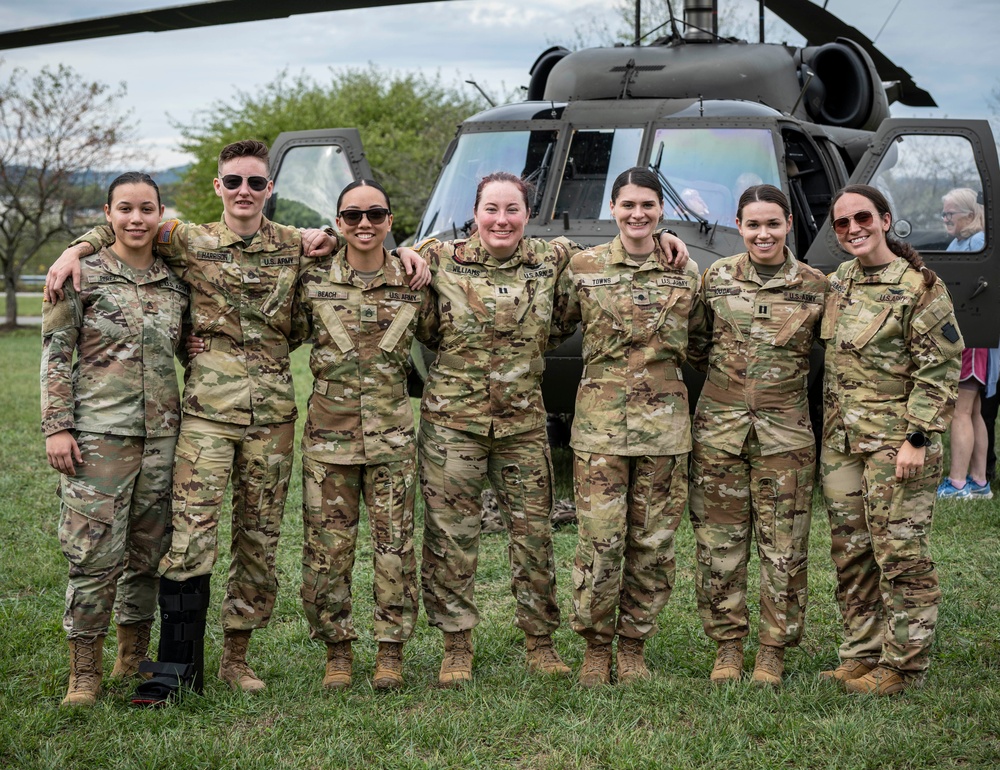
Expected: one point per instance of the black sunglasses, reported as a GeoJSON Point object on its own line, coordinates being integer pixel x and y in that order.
{"type": "Point", "coordinates": [863, 218]}
{"type": "Point", "coordinates": [233, 182]}
{"type": "Point", "coordinates": [353, 216]}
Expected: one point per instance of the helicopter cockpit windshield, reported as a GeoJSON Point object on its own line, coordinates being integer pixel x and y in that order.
{"type": "Point", "coordinates": [527, 154]}
{"type": "Point", "coordinates": [711, 167]}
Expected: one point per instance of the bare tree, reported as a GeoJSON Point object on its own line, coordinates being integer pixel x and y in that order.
{"type": "Point", "coordinates": [55, 130]}
{"type": "Point", "coordinates": [737, 18]}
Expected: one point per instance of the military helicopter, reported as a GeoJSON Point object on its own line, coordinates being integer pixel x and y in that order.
{"type": "Point", "coordinates": [711, 115]}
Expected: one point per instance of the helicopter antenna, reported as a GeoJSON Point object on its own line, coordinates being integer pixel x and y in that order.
{"type": "Point", "coordinates": [674, 32]}
{"type": "Point", "coordinates": [888, 19]}
{"type": "Point", "coordinates": [638, 19]}
{"type": "Point", "coordinates": [486, 96]}
{"type": "Point", "coordinates": [761, 21]}
{"type": "Point", "coordinates": [802, 93]}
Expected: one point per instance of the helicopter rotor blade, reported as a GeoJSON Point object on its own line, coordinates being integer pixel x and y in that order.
{"type": "Point", "coordinates": [820, 26]}
{"type": "Point", "coordinates": [177, 17]}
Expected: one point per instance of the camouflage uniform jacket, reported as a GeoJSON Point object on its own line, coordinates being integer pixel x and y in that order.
{"type": "Point", "coordinates": [124, 329]}
{"type": "Point", "coordinates": [756, 342]}
{"type": "Point", "coordinates": [360, 410]}
{"type": "Point", "coordinates": [242, 297]}
{"type": "Point", "coordinates": [491, 327]}
{"type": "Point", "coordinates": [893, 355]}
{"type": "Point", "coordinates": [635, 318]}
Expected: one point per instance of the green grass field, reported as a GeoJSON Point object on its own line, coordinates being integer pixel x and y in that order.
{"type": "Point", "coordinates": [506, 718]}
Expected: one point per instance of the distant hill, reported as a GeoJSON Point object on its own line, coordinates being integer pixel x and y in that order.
{"type": "Point", "coordinates": [103, 178]}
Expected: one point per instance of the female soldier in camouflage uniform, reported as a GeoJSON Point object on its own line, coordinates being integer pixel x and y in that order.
{"type": "Point", "coordinates": [359, 439]}
{"type": "Point", "coordinates": [892, 363]}
{"type": "Point", "coordinates": [754, 448]}
{"type": "Point", "coordinates": [632, 429]}
{"type": "Point", "coordinates": [482, 415]}
{"type": "Point", "coordinates": [111, 420]}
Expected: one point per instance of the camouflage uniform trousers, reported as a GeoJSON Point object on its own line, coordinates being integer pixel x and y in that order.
{"type": "Point", "coordinates": [773, 494]}
{"type": "Point", "coordinates": [887, 585]}
{"type": "Point", "coordinates": [453, 469]}
{"type": "Point", "coordinates": [628, 509]}
{"type": "Point", "coordinates": [331, 496]}
{"type": "Point", "coordinates": [259, 458]}
{"type": "Point", "coordinates": [113, 530]}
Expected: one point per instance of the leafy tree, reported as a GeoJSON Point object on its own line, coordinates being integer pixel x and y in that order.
{"type": "Point", "coordinates": [54, 129]}
{"type": "Point", "coordinates": [405, 120]}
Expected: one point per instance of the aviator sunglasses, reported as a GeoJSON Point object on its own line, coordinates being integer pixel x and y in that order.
{"type": "Point", "coordinates": [375, 215]}
{"type": "Point", "coordinates": [233, 182]}
{"type": "Point", "coordinates": [843, 224]}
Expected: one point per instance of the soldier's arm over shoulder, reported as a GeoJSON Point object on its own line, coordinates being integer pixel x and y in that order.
{"type": "Point", "coordinates": [700, 323]}
{"type": "Point", "coordinates": [171, 242]}
{"type": "Point", "coordinates": [98, 237]}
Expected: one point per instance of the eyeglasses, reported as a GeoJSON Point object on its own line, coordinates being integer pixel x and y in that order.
{"type": "Point", "coordinates": [947, 216]}
{"type": "Point", "coordinates": [353, 216]}
{"type": "Point", "coordinates": [863, 218]}
{"type": "Point", "coordinates": [234, 181]}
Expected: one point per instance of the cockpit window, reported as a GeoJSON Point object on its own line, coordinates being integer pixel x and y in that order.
{"type": "Point", "coordinates": [525, 153]}
{"type": "Point", "coordinates": [935, 191]}
{"type": "Point", "coordinates": [709, 168]}
{"type": "Point", "coordinates": [309, 181]}
{"type": "Point", "coordinates": [596, 158]}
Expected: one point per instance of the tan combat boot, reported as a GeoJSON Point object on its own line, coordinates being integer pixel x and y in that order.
{"type": "Point", "coordinates": [769, 666]}
{"type": "Point", "coordinates": [388, 666]}
{"type": "Point", "coordinates": [85, 663]}
{"type": "Point", "coordinates": [728, 662]}
{"type": "Point", "coordinates": [596, 669]}
{"type": "Point", "coordinates": [456, 667]}
{"type": "Point", "coordinates": [339, 662]}
{"type": "Point", "coordinates": [133, 649]}
{"type": "Point", "coordinates": [878, 681]}
{"type": "Point", "coordinates": [631, 661]}
{"type": "Point", "coordinates": [852, 668]}
{"type": "Point", "coordinates": [233, 668]}
{"type": "Point", "coordinates": [541, 656]}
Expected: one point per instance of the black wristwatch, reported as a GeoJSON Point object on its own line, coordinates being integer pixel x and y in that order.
{"type": "Point", "coordinates": [917, 439]}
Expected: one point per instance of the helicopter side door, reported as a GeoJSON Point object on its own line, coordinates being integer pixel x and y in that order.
{"type": "Point", "coordinates": [914, 163]}
{"type": "Point", "coordinates": [310, 168]}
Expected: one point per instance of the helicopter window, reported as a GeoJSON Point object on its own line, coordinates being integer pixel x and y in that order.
{"type": "Point", "coordinates": [309, 180]}
{"type": "Point", "coordinates": [935, 191]}
{"type": "Point", "coordinates": [596, 158]}
{"type": "Point", "coordinates": [525, 153]}
{"type": "Point", "coordinates": [709, 168]}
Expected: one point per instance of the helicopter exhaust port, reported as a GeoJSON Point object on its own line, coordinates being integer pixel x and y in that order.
{"type": "Point", "coordinates": [846, 90]}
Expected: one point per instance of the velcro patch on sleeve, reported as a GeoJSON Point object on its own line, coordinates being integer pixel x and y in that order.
{"type": "Point", "coordinates": [166, 232]}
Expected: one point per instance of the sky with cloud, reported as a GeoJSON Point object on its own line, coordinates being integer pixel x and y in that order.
{"type": "Point", "coordinates": [173, 77]}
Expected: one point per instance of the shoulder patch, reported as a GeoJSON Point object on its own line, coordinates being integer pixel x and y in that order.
{"type": "Point", "coordinates": [166, 232]}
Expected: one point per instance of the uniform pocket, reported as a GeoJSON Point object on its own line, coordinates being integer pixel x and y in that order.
{"type": "Point", "coordinates": [86, 524]}
{"type": "Point", "coordinates": [282, 292]}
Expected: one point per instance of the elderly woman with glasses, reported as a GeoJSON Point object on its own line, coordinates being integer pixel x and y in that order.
{"type": "Point", "coordinates": [892, 363]}
{"type": "Point", "coordinates": [964, 220]}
